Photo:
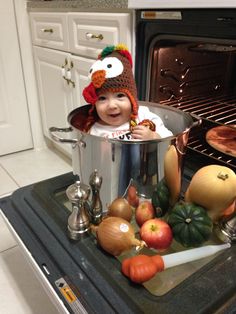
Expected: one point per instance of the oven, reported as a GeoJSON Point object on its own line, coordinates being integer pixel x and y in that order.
{"type": "Point", "coordinates": [186, 59]}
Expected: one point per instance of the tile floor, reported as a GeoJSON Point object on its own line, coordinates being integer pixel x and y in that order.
{"type": "Point", "coordinates": [20, 290]}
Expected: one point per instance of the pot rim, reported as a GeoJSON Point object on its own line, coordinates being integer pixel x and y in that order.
{"type": "Point", "coordinates": [188, 116]}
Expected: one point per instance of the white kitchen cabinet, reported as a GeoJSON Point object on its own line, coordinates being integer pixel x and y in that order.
{"type": "Point", "coordinates": [67, 44]}
{"type": "Point", "coordinates": [59, 95]}
{"type": "Point", "coordinates": [55, 95]}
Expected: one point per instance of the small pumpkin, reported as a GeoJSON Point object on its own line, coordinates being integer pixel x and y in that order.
{"type": "Point", "coordinates": [161, 198]}
{"type": "Point", "coordinates": [190, 224]}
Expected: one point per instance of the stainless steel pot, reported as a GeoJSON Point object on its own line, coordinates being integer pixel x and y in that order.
{"type": "Point", "coordinates": [120, 163]}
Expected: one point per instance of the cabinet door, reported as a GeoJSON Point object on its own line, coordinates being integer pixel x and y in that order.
{"type": "Point", "coordinates": [80, 73]}
{"type": "Point", "coordinates": [55, 94]}
{"type": "Point", "coordinates": [15, 129]}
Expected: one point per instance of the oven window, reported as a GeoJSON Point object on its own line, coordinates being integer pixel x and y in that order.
{"type": "Point", "coordinates": [180, 69]}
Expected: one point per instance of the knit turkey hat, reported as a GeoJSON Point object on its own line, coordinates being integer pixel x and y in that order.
{"type": "Point", "coordinates": [112, 72]}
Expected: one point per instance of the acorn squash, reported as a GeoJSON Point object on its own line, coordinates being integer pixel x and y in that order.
{"type": "Point", "coordinates": [161, 198]}
{"type": "Point", "coordinates": [190, 224]}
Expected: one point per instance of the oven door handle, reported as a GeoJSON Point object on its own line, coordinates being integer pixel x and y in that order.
{"type": "Point", "coordinates": [53, 133]}
{"type": "Point", "coordinates": [197, 118]}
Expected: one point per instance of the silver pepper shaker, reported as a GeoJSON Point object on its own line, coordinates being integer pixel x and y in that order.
{"type": "Point", "coordinates": [95, 182]}
{"type": "Point", "coordinates": [79, 220]}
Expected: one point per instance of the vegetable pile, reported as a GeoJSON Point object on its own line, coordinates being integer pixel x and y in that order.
{"type": "Point", "coordinates": [210, 195]}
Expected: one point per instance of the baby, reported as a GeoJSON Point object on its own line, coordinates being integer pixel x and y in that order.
{"type": "Point", "coordinates": [115, 112]}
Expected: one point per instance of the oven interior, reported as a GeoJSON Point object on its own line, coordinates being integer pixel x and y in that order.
{"type": "Point", "coordinates": [191, 66]}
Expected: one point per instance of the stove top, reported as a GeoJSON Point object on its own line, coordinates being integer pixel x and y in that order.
{"type": "Point", "coordinates": [87, 279]}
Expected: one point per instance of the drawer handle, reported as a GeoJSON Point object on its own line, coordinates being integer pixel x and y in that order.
{"type": "Point", "coordinates": [92, 36]}
{"type": "Point", "coordinates": [47, 30]}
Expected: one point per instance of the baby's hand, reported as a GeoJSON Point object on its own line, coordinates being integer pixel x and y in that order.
{"type": "Point", "coordinates": [141, 132]}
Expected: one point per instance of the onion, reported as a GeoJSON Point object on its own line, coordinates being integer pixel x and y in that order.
{"type": "Point", "coordinates": [116, 235]}
{"type": "Point", "coordinates": [120, 207]}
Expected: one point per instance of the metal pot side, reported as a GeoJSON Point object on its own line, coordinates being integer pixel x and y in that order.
{"type": "Point", "coordinates": [141, 163]}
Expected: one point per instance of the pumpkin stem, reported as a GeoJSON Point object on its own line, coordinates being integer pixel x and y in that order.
{"type": "Point", "coordinates": [222, 176]}
{"type": "Point", "coordinates": [188, 220]}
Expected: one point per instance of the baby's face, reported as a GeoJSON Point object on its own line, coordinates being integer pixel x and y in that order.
{"type": "Point", "coordinates": [113, 108]}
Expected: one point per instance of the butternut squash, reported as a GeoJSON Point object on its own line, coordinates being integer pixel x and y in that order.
{"type": "Point", "coordinates": [172, 173]}
{"type": "Point", "coordinates": [214, 188]}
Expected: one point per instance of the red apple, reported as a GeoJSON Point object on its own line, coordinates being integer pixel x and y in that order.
{"type": "Point", "coordinates": [144, 212]}
{"type": "Point", "coordinates": [156, 233]}
{"type": "Point", "coordinates": [132, 196]}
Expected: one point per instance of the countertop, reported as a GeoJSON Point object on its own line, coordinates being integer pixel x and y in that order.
{"type": "Point", "coordinates": [73, 5]}
{"type": "Point", "coordinates": [112, 5]}
{"type": "Point", "coordinates": [180, 4]}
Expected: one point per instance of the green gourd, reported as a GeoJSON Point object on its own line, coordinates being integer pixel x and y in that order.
{"type": "Point", "coordinates": [160, 198]}
{"type": "Point", "coordinates": [190, 224]}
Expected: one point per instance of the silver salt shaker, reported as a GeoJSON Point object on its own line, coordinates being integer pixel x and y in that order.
{"type": "Point", "coordinates": [95, 182]}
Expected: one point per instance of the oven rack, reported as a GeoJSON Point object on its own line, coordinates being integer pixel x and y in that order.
{"type": "Point", "coordinates": [220, 109]}
{"type": "Point", "coordinates": [197, 143]}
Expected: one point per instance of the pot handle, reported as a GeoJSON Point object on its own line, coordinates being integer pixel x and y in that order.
{"type": "Point", "coordinates": [53, 133]}
{"type": "Point", "coordinates": [197, 118]}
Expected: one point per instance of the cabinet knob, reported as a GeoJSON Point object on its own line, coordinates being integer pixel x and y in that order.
{"type": "Point", "coordinates": [47, 30]}
{"type": "Point", "coordinates": [93, 36]}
